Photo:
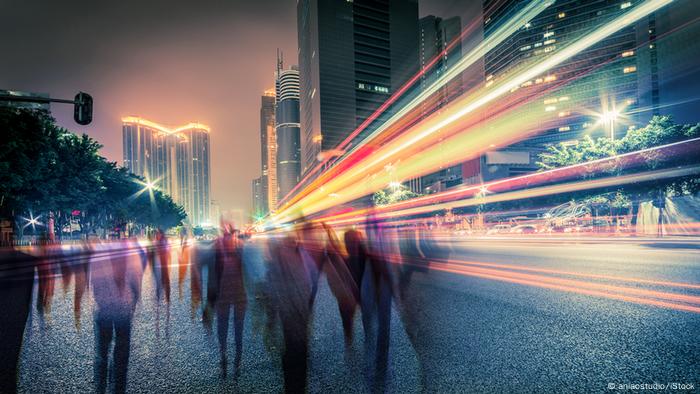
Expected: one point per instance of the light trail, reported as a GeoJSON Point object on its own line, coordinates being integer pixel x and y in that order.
{"type": "Point", "coordinates": [526, 14]}
{"type": "Point", "coordinates": [619, 162]}
{"type": "Point", "coordinates": [579, 274]}
{"type": "Point", "coordinates": [571, 289]}
{"type": "Point", "coordinates": [538, 192]}
{"type": "Point", "coordinates": [348, 185]}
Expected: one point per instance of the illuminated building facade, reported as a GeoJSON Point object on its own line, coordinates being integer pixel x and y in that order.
{"type": "Point", "coordinates": [259, 207]}
{"type": "Point", "coordinates": [268, 145]}
{"type": "Point", "coordinates": [287, 130]}
{"type": "Point", "coordinates": [352, 56]}
{"type": "Point", "coordinates": [176, 160]}
{"type": "Point", "coordinates": [600, 79]}
{"type": "Point", "coordinates": [435, 35]}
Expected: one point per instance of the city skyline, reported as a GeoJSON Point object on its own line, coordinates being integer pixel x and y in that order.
{"type": "Point", "coordinates": [155, 70]}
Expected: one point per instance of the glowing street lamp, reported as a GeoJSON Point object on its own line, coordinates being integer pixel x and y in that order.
{"type": "Point", "coordinates": [608, 118]}
{"type": "Point", "coordinates": [394, 185]}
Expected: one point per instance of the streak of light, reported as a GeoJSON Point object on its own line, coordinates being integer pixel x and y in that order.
{"type": "Point", "coordinates": [499, 35]}
{"type": "Point", "coordinates": [416, 138]}
{"type": "Point", "coordinates": [568, 288]}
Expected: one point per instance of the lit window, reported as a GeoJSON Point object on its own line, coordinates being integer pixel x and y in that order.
{"type": "Point", "coordinates": [526, 84]}
{"type": "Point", "coordinates": [564, 98]}
{"type": "Point", "coordinates": [527, 25]}
{"type": "Point", "coordinates": [564, 128]}
{"type": "Point", "coordinates": [630, 101]}
{"type": "Point", "coordinates": [548, 34]}
{"type": "Point", "coordinates": [627, 53]}
{"type": "Point", "coordinates": [550, 101]}
{"type": "Point", "coordinates": [490, 77]}
{"type": "Point", "coordinates": [564, 113]}
{"type": "Point", "coordinates": [629, 69]}
{"type": "Point", "coordinates": [525, 48]}
{"type": "Point", "coordinates": [626, 4]}
{"type": "Point", "coordinates": [550, 78]}
{"type": "Point", "coordinates": [561, 15]}
{"type": "Point", "coordinates": [489, 83]}
{"type": "Point", "coordinates": [550, 41]}
{"type": "Point", "coordinates": [538, 80]}
{"type": "Point", "coordinates": [549, 49]}
{"type": "Point", "coordinates": [538, 44]}
{"type": "Point", "coordinates": [550, 108]}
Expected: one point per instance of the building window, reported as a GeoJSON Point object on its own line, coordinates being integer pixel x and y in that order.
{"type": "Point", "coordinates": [626, 4]}
{"type": "Point", "coordinates": [629, 69]}
{"type": "Point", "coordinates": [627, 53]}
{"type": "Point", "coordinates": [564, 128]}
{"type": "Point", "coordinates": [561, 15]}
{"type": "Point", "coordinates": [550, 108]}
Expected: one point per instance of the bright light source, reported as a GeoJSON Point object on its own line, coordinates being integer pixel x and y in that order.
{"type": "Point", "coordinates": [394, 185]}
{"type": "Point", "coordinates": [609, 116]}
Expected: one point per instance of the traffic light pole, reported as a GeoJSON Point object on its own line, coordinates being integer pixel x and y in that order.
{"type": "Point", "coordinates": [83, 104]}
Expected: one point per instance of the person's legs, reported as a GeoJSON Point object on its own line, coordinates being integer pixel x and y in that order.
{"type": "Point", "coordinates": [238, 324]}
{"type": "Point", "coordinates": [122, 347]}
{"type": "Point", "coordinates": [103, 338]}
{"type": "Point", "coordinates": [222, 315]}
{"type": "Point", "coordinates": [295, 358]}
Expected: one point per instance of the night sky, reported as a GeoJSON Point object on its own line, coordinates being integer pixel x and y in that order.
{"type": "Point", "coordinates": [172, 62]}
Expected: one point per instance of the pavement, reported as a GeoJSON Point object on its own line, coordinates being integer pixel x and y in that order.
{"type": "Point", "coordinates": [500, 315]}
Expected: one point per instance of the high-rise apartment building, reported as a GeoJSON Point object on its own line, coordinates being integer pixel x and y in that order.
{"type": "Point", "coordinates": [352, 56]}
{"type": "Point", "coordinates": [268, 145]}
{"type": "Point", "coordinates": [176, 160]}
{"type": "Point", "coordinates": [287, 129]}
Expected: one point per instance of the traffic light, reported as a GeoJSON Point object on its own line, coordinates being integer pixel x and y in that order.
{"type": "Point", "coordinates": [83, 109]}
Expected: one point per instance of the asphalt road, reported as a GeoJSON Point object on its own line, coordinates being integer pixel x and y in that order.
{"type": "Point", "coordinates": [513, 315]}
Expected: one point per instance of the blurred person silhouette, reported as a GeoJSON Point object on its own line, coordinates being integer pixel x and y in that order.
{"type": "Point", "coordinates": [291, 279]}
{"type": "Point", "coordinates": [46, 274]}
{"type": "Point", "coordinates": [377, 294]}
{"type": "Point", "coordinates": [341, 281]}
{"type": "Point", "coordinates": [161, 275]}
{"type": "Point", "coordinates": [16, 286]}
{"type": "Point", "coordinates": [75, 269]}
{"type": "Point", "coordinates": [228, 292]}
{"type": "Point", "coordinates": [419, 306]}
{"type": "Point", "coordinates": [116, 291]}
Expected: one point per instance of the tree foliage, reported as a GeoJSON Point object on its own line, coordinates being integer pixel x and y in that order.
{"type": "Point", "coordinates": [393, 195]}
{"type": "Point", "coordinates": [660, 130]}
{"type": "Point", "coordinates": [45, 168]}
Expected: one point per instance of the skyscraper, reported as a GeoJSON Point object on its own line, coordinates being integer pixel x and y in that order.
{"type": "Point", "coordinates": [287, 129]}
{"type": "Point", "coordinates": [268, 145]}
{"type": "Point", "coordinates": [352, 56]}
{"type": "Point", "coordinates": [259, 207]}
{"type": "Point", "coordinates": [436, 34]}
{"type": "Point", "coordinates": [176, 160]}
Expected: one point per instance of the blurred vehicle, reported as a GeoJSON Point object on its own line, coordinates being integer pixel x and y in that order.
{"type": "Point", "coordinates": [499, 229]}
{"type": "Point", "coordinates": [524, 229]}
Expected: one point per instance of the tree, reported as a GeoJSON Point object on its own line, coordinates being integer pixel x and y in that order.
{"type": "Point", "coordinates": [660, 130]}
{"type": "Point", "coordinates": [395, 193]}
{"type": "Point", "coordinates": [47, 169]}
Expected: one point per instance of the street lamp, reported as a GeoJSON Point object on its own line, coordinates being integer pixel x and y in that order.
{"type": "Point", "coordinates": [608, 118]}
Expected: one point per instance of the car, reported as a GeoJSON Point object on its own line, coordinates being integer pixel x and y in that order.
{"type": "Point", "coordinates": [524, 229]}
{"type": "Point", "coordinates": [499, 229]}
